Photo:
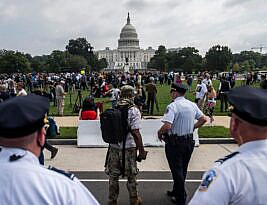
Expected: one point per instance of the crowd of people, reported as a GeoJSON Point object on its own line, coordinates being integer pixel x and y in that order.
{"type": "Point", "coordinates": [24, 117]}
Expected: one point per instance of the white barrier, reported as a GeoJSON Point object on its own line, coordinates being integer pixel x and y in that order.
{"type": "Point", "coordinates": [89, 133]}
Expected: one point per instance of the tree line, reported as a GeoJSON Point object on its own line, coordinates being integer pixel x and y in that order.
{"type": "Point", "coordinates": [79, 54]}
{"type": "Point", "coordinates": [217, 59]}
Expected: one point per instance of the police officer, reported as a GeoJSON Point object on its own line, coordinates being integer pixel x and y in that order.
{"type": "Point", "coordinates": [177, 132]}
{"type": "Point", "coordinates": [114, 166]}
{"type": "Point", "coordinates": [241, 177]}
{"type": "Point", "coordinates": [22, 179]}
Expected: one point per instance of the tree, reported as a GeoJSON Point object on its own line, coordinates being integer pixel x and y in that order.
{"type": "Point", "coordinates": [192, 60]}
{"type": "Point", "coordinates": [76, 63]}
{"type": "Point", "coordinates": [102, 63]}
{"type": "Point", "coordinates": [236, 67]}
{"type": "Point", "coordinates": [218, 58]}
{"type": "Point", "coordinates": [56, 61]}
{"type": "Point", "coordinates": [11, 62]}
{"type": "Point", "coordinates": [80, 47]}
{"type": "Point", "coordinates": [39, 63]}
{"type": "Point", "coordinates": [174, 61]}
{"type": "Point", "coordinates": [254, 57]}
{"type": "Point", "coordinates": [159, 60]}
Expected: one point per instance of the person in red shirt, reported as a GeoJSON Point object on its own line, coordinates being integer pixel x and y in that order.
{"type": "Point", "coordinates": [89, 109]}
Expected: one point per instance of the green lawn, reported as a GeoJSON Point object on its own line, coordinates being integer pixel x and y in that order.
{"type": "Point", "coordinates": [66, 133]}
{"type": "Point", "coordinates": [213, 132]}
{"type": "Point", "coordinates": [163, 98]}
{"type": "Point", "coordinates": [204, 132]}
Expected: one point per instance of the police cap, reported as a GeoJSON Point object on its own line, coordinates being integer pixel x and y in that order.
{"type": "Point", "coordinates": [180, 88]}
{"type": "Point", "coordinates": [250, 104]}
{"type": "Point", "coordinates": [22, 115]}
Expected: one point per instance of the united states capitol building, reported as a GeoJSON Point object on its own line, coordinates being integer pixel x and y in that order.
{"type": "Point", "coordinates": [128, 55]}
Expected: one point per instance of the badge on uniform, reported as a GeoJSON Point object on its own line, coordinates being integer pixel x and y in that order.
{"type": "Point", "coordinates": [210, 176]}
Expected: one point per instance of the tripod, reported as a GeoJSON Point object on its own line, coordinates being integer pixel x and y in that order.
{"type": "Point", "coordinates": [78, 102]}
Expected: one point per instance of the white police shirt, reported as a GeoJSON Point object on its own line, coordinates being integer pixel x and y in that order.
{"type": "Point", "coordinates": [134, 122]}
{"type": "Point", "coordinates": [24, 181]}
{"type": "Point", "coordinates": [238, 179]}
{"type": "Point", "coordinates": [182, 114]}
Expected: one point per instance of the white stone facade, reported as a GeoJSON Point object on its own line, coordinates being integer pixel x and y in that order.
{"type": "Point", "coordinates": [128, 54]}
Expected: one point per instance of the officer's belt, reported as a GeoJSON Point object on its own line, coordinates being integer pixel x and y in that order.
{"type": "Point", "coordinates": [174, 139]}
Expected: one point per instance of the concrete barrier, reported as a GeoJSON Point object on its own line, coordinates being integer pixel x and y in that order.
{"type": "Point", "coordinates": [89, 133]}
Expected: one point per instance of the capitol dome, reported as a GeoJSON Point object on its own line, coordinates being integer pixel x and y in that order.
{"type": "Point", "coordinates": [128, 37]}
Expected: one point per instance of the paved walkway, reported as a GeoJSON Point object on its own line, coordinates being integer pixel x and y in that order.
{"type": "Point", "coordinates": [72, 121]}
{"type": "Point", "coordinates": [72, 158]}
{"type": "Point", "coordinates": [92, 159]}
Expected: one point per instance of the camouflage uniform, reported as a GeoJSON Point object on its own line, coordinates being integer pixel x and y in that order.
{"type": "Point", "coordinates": [113, 169]}
{"type": "Point", "coordinates": [114, 161]}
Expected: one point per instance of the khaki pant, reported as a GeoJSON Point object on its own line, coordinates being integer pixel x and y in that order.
{"type": "Point", "coordinates": [201, 103]}
{"type": "Point", "coordinates": [60, 106]}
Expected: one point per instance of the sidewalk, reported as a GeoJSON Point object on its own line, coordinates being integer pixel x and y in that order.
{"type": "Point", "coordinates": [72, 158]}
{"type": "Point", "coordinates": [72, 121]}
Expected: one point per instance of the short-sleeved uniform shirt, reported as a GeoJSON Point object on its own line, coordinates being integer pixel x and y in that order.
{"type": "Point", "coordinates": [241, 179]}
{"type": "Point", "coordinates": [25, 181]}
{"type": "Point", "coordinates": [182, 114]}
{"type": "Point", "coordinates": [134, 122]}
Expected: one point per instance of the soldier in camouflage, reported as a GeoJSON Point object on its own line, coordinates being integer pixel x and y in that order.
{"type": "Point", "coordinates": [133, 143]}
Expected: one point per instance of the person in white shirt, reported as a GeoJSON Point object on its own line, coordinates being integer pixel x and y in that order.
{"type": "Point", "coordinates": [60, 97]}
{"type": "Point", "coordinates": [201, 93]}
{"type": "Point", "coordinates": [241, 177]}
{"type": "Point", "coordinates": [115, 95]}
{"type": "Point", "coordinates": [180, 119]}
{"type": "Point", "coordinates": [207, 81]}
{"type": "Point", "coordinates": [23, 180]}
{"type": "Point", "coordinates": [20, 89]}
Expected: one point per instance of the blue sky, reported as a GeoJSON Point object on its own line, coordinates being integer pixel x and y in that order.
{"type": "Point", "coordinates": [38, 27]}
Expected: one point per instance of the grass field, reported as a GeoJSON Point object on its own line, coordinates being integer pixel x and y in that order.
{"type": "Point", "coordinates": [163, 98]}
{"type": "Point", "coordinates": [204, 132]}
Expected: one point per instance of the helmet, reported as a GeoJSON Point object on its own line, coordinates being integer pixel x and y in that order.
{"type": "Point", "coordinates": [127, 91]}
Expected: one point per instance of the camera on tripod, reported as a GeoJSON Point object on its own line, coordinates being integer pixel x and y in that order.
{"type": "Point", "coordinates": [78, 102]}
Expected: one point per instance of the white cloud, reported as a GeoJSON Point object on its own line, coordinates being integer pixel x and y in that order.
{"type": "Point", "coordinates": [39, 27]}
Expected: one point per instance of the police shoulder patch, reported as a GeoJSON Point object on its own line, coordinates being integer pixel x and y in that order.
{"type": "Point", "coordinates": [167, 110]}
{"type": "Point", "coordinates": [67, 174]}
{"type": "Point", "coordinates": [209, 177]}
{"type": "Point", "coordinates": [222, 160]}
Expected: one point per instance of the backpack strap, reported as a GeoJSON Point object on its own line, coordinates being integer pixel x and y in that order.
{"type": "Point", "coordinates": [124, 110]}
